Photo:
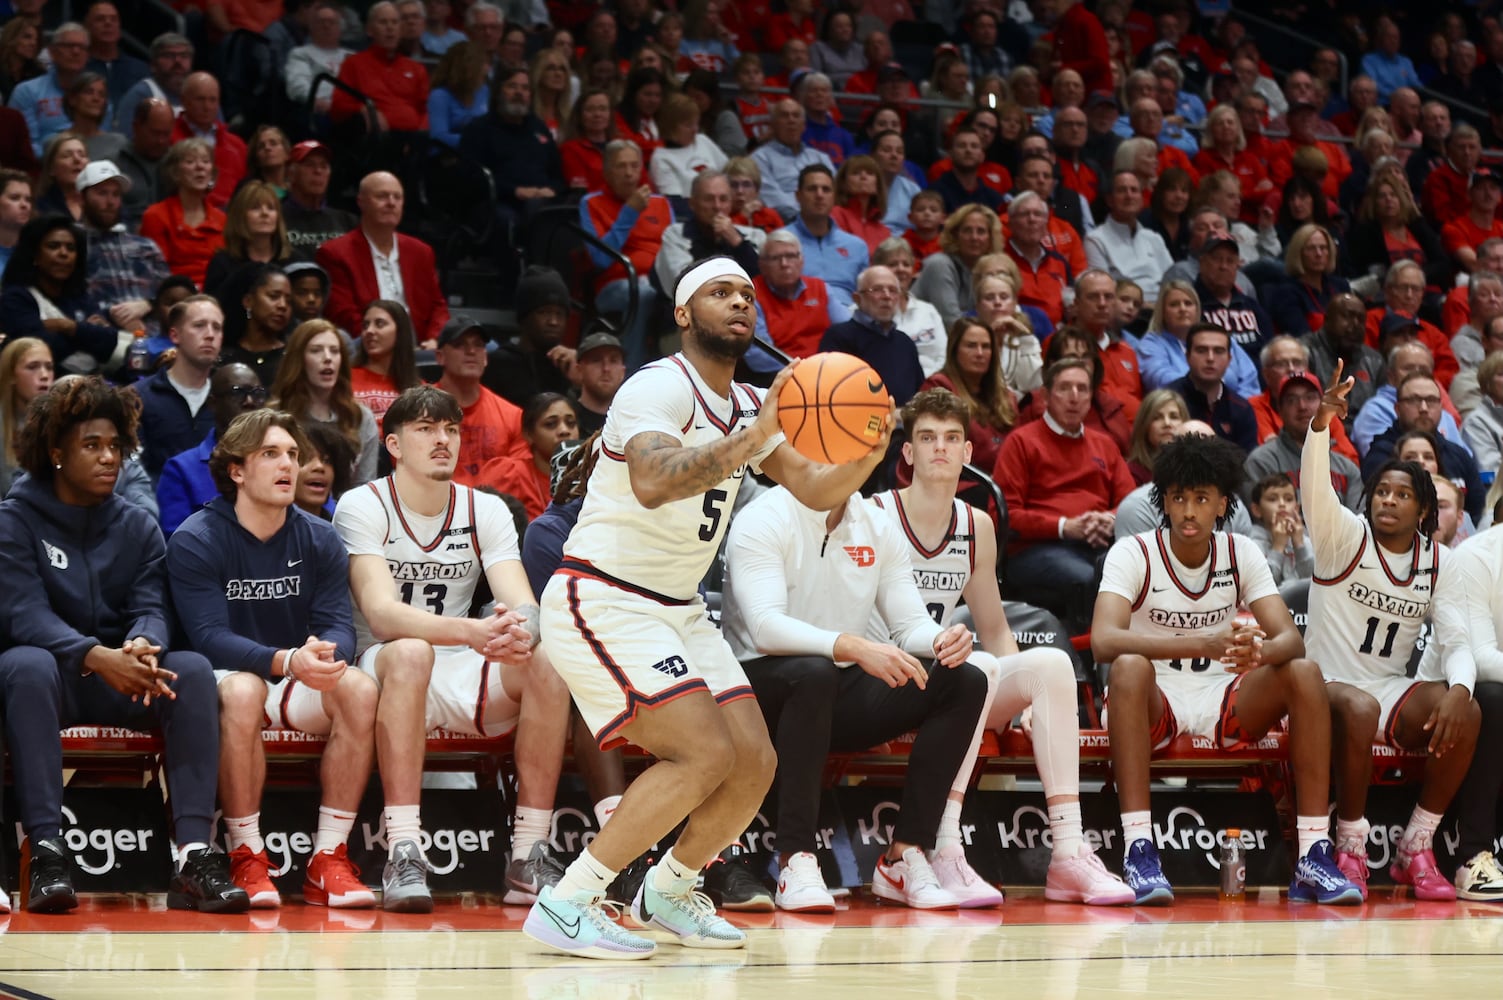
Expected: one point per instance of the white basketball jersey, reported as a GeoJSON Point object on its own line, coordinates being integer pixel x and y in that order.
{"type": "Point", "coordinates": [1171, 599]}
{"type": "Point", "coordinates": [666, 551]}
{"type": "Point", "coordinates": [436, 563]}
{"type": "Point", "coordinates": [940, 573]}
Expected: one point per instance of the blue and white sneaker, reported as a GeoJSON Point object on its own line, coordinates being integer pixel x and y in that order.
{"type": "Point", "coordinates": [1144, 875]}
{"type": "Point", "coordinates": [690, 916]}
{"type": "Point", "coordinates": [578, 925]}
{"type": "Point", "coordinates": [1318, 880]}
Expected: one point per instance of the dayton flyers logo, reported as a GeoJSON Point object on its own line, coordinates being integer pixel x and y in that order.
{"type": "Point", "coordinates": [862, 555]}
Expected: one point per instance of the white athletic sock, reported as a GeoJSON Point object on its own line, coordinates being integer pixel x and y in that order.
{"type": "Point", "coordinates": [529, 827]}
{"type": "Point", "coordinates": [1351, 835]}
{"type": "Point", "coordinates": [1311, 830]}
{"type": "Point", "coordinates": [245, 831]}
{"type": "Point", "coordinates": [584, 874]}
{"type": "Point", "coordinates": [402, 823]}
{"type": "Point", "coordinates": [1418, 835]}
{"type": "Point", "coordinates": [606, 808]}
{"type": "Point", "coordinates": [334, 826]}
{"type": "Point", "coordinates": [1064, 825]}
{"type": "Point", "coordinates": [949, 826]}
{"type": "Point", "coordinates": [184, 850]}
{"type": "Point", "coordinates": [672, 877]}
{"type": "Point", "coordinates": [1136, 826]}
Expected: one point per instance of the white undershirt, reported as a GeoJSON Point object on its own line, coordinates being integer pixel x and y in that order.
{"type": "Point", "coordinates": [194, 397]}
{"type": "Point", "coordinates": [388, 271]}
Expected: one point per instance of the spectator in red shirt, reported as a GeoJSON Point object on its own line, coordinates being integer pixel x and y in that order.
{"type": "Point", "coordinates": [1403, 292]}
{"type": "Point", "coordinates": [1444, 195]}
{"type": "Point", "coordinates": [797, 22]}
{"type": "Point", "coordinates": [1463, 234]}
{"type": "Point", "coordinates": [636, 115]}
{"type": "Point", "coordinates": [200, 119]}
{"type": "Point", "coordinates": [1361, 94]}
{"type": "Point", "coordinates": [1045, 273]}
{"type": "Point", "coordinates": [397, 85]}
{"type": "Point", "coordinates": [1224, 147]}
{"type": "Point", "coordinates": [793, 309]}
{"type": "Point", "coordinates": [185, 225]}
{"type": "Point", "coordinates": [1302, 118]}
{"type": "Point", "coordinates": [583, 152]}
{"type": "Point", "coordinates": [1080, 44]}
{"type": "Point", "coordinates": [861, 201]}
{"type": "Point", "coordinates": [746, 196]}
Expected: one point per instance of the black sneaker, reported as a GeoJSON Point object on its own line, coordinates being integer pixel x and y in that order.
{"type": "Point", "coordinates": [732, 885]}
{"type": "Point", "coordinates": [51, 884]}
{"type": "Point", "coordinates": [623, 889]}
{"type": "Point", "coordinates": [204, 884]}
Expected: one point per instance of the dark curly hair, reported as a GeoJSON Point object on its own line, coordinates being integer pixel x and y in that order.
{"type": "Point", "coordinates": [1194, 461]}
{"type": "Point", "coordinates": [73, 401]}
{"type": "Point", "coordinates": [1424, 492]}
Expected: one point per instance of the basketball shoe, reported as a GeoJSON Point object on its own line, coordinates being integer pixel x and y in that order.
{"type": "Point", "coordinates": [732, 885]}
{"type": "Point", "coordinates": [579, 925]}
{"type": "Point", "coordinates": [333, 880]}
{"type": "Point", "coordinates": [251, 871]}
{"type": "Point", "coordinates": [1480, 879]}
{"type": "Point", "coordinates": [50, 876]}
{"type": "Point", "coordinates": [404, 880]}
{"type": "Point", "coordinates": [1084, 879]}
{"type": "Point", "coordinates": [525, 876]}
{"type": "Point", "coordinates": [204, 884]}
{"type": "Point", "coordinates": [801, 887]}
{"type": "Point", "coordinates": [910, 880]}
{"type": "Point", "coordinates": [689, 915]}
{"type": "Point", "coordinates": [1144, 875]}
{"type": "Point", "coordinates": [959, 879]}
{"type": "Point", "coordinates": [1353, 864]}
{"type": "Point", "coordinates": [1318, 880]}
{"type": "Point", "coordinates": [1421, 872]}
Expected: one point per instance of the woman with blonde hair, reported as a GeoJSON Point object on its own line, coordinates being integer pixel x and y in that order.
{"type": "Point", "coordinates": [1389, 228]}
{"type": "Point", "coordinates": [267, 156]}
{"type": "Point", "coordinates": [1157, 423]}
{"type": "Point", "coordinates": [745, 178]}
{"type": "Point", "coordinates": [552, 89]}
{"type": "Point", "coordinates": [313, 384]}
{"type": "Point", "coordinates": [65, 156]}
{"type": "Point", "coordinates": [861, 200]}
{"type": "Point", "coordinates": [1141, 156]}
{"type": "Point", "coordinates": [1019, 353]}
{"type": "Point", "coordinates": [20, 44]}
{"type": "Point", "coordinates": [971, 232]}
{"type": "Point", "coordinates": [1298, 304]}
{"type": "Point", "coordinates": [458, 94]}
{"type": "Point", "coordinates": [1161, 349]}
{"type": "Point", "coordinates": [971, 372]}
{"type": "Point", "coordinates": [254, 233]}
{"type": "Point", "coordinates": [25, 373]}
{"type": "Point", "coordinates": [183, 224]}
{"type": "Point", "coordinates": [1224, 147]}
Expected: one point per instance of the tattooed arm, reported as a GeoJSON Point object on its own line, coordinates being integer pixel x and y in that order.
{"type": "Point", "coordinates": [662, 470]}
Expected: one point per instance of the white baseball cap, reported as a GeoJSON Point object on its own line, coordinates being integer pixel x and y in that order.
{"type": "Point", "coordinates": [99, 171]}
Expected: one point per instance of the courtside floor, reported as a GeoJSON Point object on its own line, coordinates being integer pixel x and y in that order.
{"type": "Point", "coordinates": [131, 946]}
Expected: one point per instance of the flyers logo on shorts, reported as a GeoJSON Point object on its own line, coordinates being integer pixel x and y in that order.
{"type": "Point", "coordinates": [673, 666]}
{"type": "Point", "coordinates": [862, 555]}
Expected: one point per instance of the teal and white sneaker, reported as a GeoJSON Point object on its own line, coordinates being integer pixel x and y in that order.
{"type": "Point", "coordinates": [690, 916]}
{"type": "Point", "coordinates": [579, 925]}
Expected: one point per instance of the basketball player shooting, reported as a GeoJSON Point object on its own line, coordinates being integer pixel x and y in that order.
{"type": "Point", "coordinates": [624, 626]}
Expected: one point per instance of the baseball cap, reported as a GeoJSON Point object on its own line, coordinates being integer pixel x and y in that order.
{"type": "Point", "coordinates": [457, 327]}
{"type": "Point", "coordinates": [99, 171]}
{"type": "Point", "coordinates": [1217, 242]}
{"type": "Point", "coordinates": [1294, 377]}
{"type": "Point", "coordinates": [892, 71]}
{"type": "Point", "coordinates": [1482, 173]}
{"type": "Point", "coordinates": [307, 148]}
{"type": "Point", "coordinates": [594, 342]}
{"type": "Point", "coordinates": [1397, 322]}
{"type": "Point", "coordinates": [1100, 97]}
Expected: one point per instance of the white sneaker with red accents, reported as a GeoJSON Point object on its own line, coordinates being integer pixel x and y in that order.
{"type": "Point", "coordinates": [910, 880]}
{"type": "Point", "coordinates": [956, 876]}
{"type": "Point", "coordinates": [801, 886]}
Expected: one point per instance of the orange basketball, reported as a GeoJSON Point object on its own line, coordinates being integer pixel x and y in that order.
{"type": "Point", "coordinates": [832, 408]}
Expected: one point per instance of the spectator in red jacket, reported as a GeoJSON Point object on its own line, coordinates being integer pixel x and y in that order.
{"type": "Point", "coordinates": [1080, 44]}
{"type": "Point", "coordinates": [397, 85]}
{"type": "Point", "coordinates": [200, 120]}
{"type": "Point", "coordinates": [377, 262]}
{"type": "Point", "coordinates": [1444, 195]}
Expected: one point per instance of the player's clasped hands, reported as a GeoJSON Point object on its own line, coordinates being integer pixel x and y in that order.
{"type": "Point", "coordinates": [953, 646]}
{"type": "Point", "coordinates": [313, 664]}
{"type": "Point", "coordinates": [891, 665]}
{"type": "Point", "coordinates": [1243, 650]}
{"type": "Point", "coordinates": [506, 637]}
{"type": "Point", "coordinates": [132, 670]}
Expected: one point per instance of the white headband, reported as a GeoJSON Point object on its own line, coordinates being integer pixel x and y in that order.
{"type": "Point", "coordinates": [704, 272]}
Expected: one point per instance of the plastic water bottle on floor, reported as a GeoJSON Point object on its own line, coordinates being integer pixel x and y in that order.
{"type": "Point", "coordinates": [1233, 866]}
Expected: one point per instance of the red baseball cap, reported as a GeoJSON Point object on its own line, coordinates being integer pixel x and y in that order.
{"type": "Point", "coordinates": [1304, 377]}
{"type": "Point", "coordinates": [307, 148]}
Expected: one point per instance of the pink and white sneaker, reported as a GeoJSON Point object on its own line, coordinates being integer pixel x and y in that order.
{"type": "Point", "coordinates": [911, 881]}
{"type": "Point", "coordinates": [1354, 866]}
{"type": "Point", "coordinates": [1421, 873]}
{"type": "Point", "coordinates": [959, 879]}
{"type": "Point", "coordinates": [1084, 879]}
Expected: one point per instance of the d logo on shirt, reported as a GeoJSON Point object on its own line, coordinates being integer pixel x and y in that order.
{"type": "Point", "coordinates": [55, 556]}
{"type": "Point", "coordinates": [862, 555]}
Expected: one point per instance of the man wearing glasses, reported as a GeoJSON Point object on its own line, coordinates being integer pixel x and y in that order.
{"type": "Point", "coordinates": [185, 483]}
{"type": "Point", "coordinates": [1418, 408]}
{"type": "Point", "coordinates": [40, 99]}
{"type": "Point", "coordinates": [794, 309]}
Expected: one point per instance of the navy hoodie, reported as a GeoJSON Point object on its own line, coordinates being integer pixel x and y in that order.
{"type": "Point", "coordinates": [102, 573]}
{"type": "Point", "coordinates": [239, 600]}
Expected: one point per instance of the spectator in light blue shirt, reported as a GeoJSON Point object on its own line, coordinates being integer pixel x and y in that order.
{"type": "Point", "coordinates": [438, 35]}
{"type": "Point", "coordinates": [782, 157]}
{"type": "Point", "coordinates": [459, 94]}
{"type": "Point", "coordinates": [1388, 67]}
{"type": "Point", "coordinates": [40, 99]}
{"type": "Point", "coordinates": [830, 253]}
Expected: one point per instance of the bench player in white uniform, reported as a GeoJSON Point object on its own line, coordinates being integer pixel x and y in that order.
{"type": "Point", "coordinates": [623, 624]}
{"type": "Point", "coordinates": [1374, 580]}
{"type": "Point", "coordinates": [418, 545]}
{"type": "Point", "coordinates": [954, 552]}
{"type": "Point", "coordinates": [1180, 663]}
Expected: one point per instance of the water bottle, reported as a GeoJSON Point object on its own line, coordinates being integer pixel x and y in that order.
{"type": "Point", "coordinates": [1233, 866]}
{"type": "Point", "coordinates": [138, 356]}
